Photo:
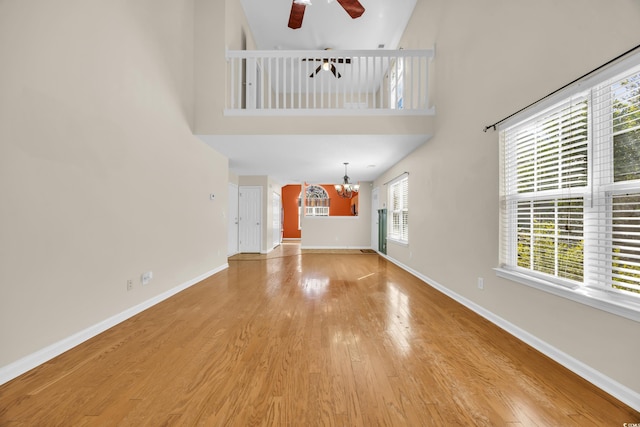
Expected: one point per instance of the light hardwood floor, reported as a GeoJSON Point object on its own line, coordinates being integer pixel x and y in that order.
{"type": "Point", "coordinates": [310, 339]}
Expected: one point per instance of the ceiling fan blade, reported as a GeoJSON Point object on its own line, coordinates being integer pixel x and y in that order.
{"type": "Point", "coordinates": [297, 13]}
{"type": "Point", "coordinates": [335, 72]}
{"type": "Point", "coordinates": [352, 7]}
{"type": "Point", "coordinates": [316, 72]}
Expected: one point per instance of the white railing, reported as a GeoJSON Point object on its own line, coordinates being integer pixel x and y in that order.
{"type": "Point", "coordinates": [328, 82]}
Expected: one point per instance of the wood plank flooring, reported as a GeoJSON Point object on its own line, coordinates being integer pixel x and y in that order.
{"type": "Point", "coordinates": [310, 339]}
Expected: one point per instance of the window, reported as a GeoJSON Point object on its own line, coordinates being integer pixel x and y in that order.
{"type": "Point", "coordinates": [399, 209]}
{"type": "Point", "coordinates": [396, 84]}
{"type": "Point", "coordinates": [316, 202]}
{"type": "Point", "coordinates": [570, 201]}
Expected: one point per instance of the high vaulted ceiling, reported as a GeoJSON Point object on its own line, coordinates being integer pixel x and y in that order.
{"type": "Point", "coordinates": [319, 158]}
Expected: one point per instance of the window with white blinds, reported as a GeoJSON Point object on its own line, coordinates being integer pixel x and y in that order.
{"type": "Point", "coordinates": [399, 209]}
{"type": "Point", "coordinates": [570, 191]}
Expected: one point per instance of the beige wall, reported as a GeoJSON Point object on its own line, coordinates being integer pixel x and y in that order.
{"type": "Point", "coordinates": [493, 58]}
{"type": "Point", "coordinates": [100, 175]}
{"type": "Point", "coordinates": [233, 178]}
{"type": "Point", "coordinates": [340, 231]}
{"type": "Point", "coordinates": [238, 35]}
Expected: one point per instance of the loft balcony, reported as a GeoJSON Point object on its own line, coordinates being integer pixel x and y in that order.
{"type": "Point", "coordinates": [328, 82]}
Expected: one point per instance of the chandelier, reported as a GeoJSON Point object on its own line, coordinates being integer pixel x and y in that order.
{"type": "Point", "coordinates": [346, 189]}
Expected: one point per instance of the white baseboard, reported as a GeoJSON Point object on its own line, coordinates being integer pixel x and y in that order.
{"type": "Point", "coordinates": [334, 247]}
{"type": "Point", "coordinates": [597, 378]}
{"type": "Point", "coordinates": [19, 367]}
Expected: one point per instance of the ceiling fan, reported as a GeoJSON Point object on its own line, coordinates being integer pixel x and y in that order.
{"type": "Point", "coordinates": [352, 7]}
{"type": "Point", "coordinates": [328, 64]}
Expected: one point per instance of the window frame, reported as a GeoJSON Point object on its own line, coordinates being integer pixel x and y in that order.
{"type": "Point", "coordinates": [313, 211]}
{"type": "Point", "coordinates": [597, 194]}
{"type": "Point", "coordinates": [401, 237]}
{"type": "Point", "coordinates": [396, 84]}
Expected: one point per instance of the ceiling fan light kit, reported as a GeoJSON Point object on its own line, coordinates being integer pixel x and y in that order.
{"type": "Point", "coordinates": [352, 7]}
{"type": "Point", "coordinates": [328, 65]}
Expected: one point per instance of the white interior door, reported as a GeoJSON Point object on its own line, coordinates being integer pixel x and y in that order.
{"type": "Point", "coordinates": [277, 220]}
{"type": "Point", "coordinates": [375, 197]}
{"type": "Point", "coordinates": [232, 246]}
{"type": "Point", "coordinates": [250, 218]}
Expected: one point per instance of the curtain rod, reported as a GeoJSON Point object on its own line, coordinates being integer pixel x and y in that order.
{"type": "Point", "coordinates": [393, 179]}
{"type": "Point", "coordinates": [486, 128]}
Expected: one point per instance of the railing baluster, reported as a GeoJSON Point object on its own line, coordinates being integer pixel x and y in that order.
{"type": "Point", "coordinates": [353, 80]}
{"type": "Point", "coordinates": [360, 81]}
{"type": "Point", "coordinates": [319, 76]}
{"type": "Point", "coordinates": [266, 83]}
{"type": "Point", "coordinates": [383, 80]}
{"type": "Point", "coordinates": [343, 86]}
{"type": "Point", "coordinates": [272, 73]}
{"type": "Point", "coordinates": [256, 78]}
{"type": "Point", "coordinates": [306, 80]}
{"type": "Point", "coordinates": [258, 90]}
{"type": "Point", "coordinates": [299, 84]}
{"type": "Point", "coordinates": [238, 89]}
{"type": "Point", "coordinates": [368, 81]}
{"type": "Point", "coordinates": [409, 92]}
{"type": "Point", "coordinates": [420, 95]}
{"type": "Point", "coordinates": [378, 85]}
{"type": "Point", "coordinates": [329, 85]}
{"type": "Point", "coordinates": [378, 103]}
{"type": "Point", "coordinates": [231, 85]}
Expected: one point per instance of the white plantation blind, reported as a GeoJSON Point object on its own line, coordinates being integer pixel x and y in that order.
{"type": "Point", "coordinates": [399, 209]}
{"type": "Point", "coordinates": [550, 236]}
{"type": "Point", "coordinates": [625, 242]}
{"type": "Point", "coordinates": [613, 253]}
{"type": "Point", "coordinates": [549, 152]}
{"type": "Point", "coordinates": [570, 190]}
{"type": "Point", "coordinates": [545, 177]}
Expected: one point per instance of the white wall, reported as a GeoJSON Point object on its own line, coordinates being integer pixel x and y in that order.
{"type": "Point", "coordinates": [493, 58]}
{"type": "Point", "coordinates": [340, 232]}
{"type": "Point", "coordinates": [100, 175]}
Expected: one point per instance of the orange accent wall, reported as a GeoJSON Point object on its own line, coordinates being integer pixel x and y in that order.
{"type": "Point", "coordinates": [290, 195]}
{"type": "Point", "coordinates": [338, 206]}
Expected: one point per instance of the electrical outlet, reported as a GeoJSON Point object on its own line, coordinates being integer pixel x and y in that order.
{"type": "Point", "coordinates": [129, 284]}
{"type": "Point", "coordinates": [480, 283]}
{"type": "Point", "coordinates": [146, 277]}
